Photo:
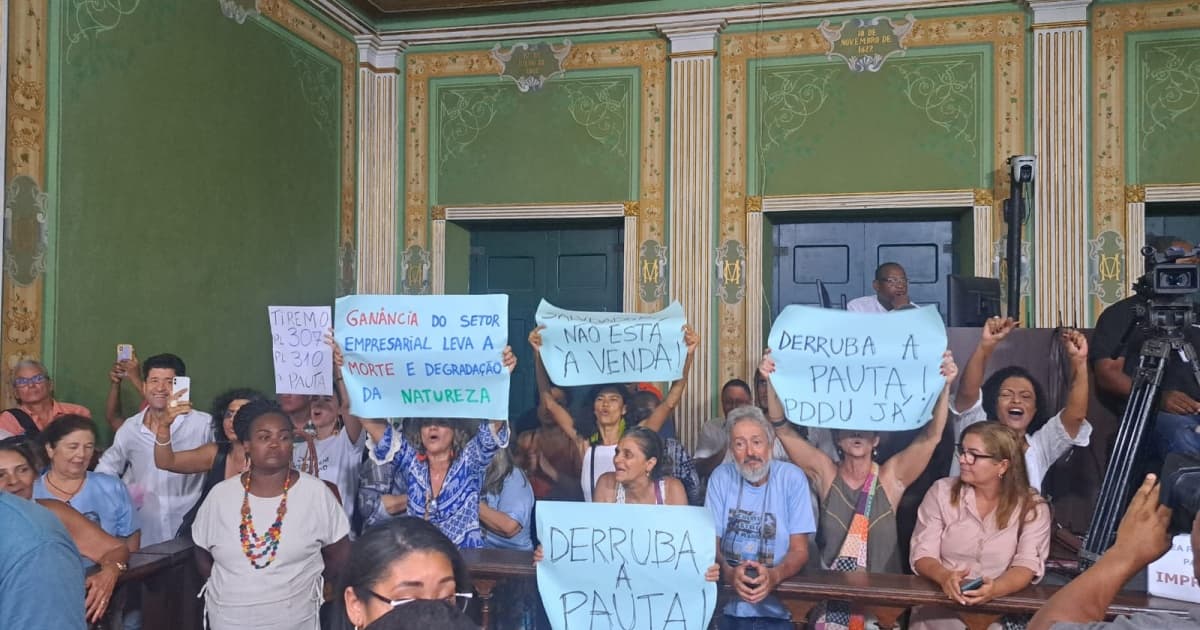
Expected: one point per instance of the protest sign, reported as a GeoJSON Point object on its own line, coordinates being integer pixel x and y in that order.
{"type": "Point", "coordinates": [600, 570]}
{"type": "Point", "coordinates": [303, 361]}
{"type": "Point", "coordinates": [411, 356]}
{"type": "Point", "coordinates": [863, 371]}
{"type": "Point", "coordinates": [588, 348]}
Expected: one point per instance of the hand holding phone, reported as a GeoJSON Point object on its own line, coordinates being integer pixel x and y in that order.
{"type": "Point", "coordinates": [971, 585]}
{"type": "Point", "coordinates": [124, 352]}
{"type": "Point", "coordinates": [181, 389]}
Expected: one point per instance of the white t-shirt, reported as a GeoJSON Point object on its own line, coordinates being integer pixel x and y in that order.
{"type": "Point", "coordinates": [866, 304]}
{"type": "Point", "coordinates": [338, 460]}
{"type": "Point", "coordinates": [162, 498]}
{"type": "Point", "coordinates": [1045, 446]}
{"type": "Point", "coordinates": [598, 458]}
{"type": "Point", "coordinates": [287, 594]}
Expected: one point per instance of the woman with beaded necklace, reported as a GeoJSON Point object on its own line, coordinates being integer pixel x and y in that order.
{"type": "Point", "coordinates": [262, 574]}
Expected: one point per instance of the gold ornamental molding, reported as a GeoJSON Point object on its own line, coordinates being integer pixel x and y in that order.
{"type": "Point", "coordinates": [754, 203]}
{"type": "Point", "coordinates": [649, 56]}
{"type": "Point", "coordinates": [1111, 23]}
{"type": "Point", "coordinates": [437, 213]}
{"type": "Point", "coordinates": [741, 322]}
{"type": "Point", "coordinates": [983, 197]}
{"type": "Point", "coordinates": [25, 110]}
{"type": "Point", "coordinates": [632, 209]}
{"type": "Point", "coordinates": [1135, 193]}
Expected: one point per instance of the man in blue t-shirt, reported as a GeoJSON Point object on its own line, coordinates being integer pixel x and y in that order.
{"type": "Point", "coordinates": [763, 515]}
{"type": "Point", "coordinates": [41, 578]}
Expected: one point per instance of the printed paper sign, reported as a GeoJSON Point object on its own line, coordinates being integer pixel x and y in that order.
{"type": "Point", "coordinates": [303, 361]}
{"type": "Point", "coordinates": [864, 371]}
{"type": "Point", "coordinates": [609, 565]}
{"type": "Point", "coordinates": [413, 356]}
{"type": "Point", "coordinates": [589, 348]}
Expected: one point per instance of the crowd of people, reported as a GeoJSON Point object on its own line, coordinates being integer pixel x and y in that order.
{"type": "Point", "coordinates": [292, 499]}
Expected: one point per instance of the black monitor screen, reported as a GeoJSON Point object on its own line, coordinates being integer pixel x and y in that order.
{"type": "Point", "coordinates": [972, 300]}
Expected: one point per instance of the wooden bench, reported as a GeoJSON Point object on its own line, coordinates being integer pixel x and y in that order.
{"type": "Point", "coordinates": [165, 575]}
{"type": "Point", "coordinates": [884, 595]}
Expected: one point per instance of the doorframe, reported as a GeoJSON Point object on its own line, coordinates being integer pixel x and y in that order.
{"type": "Point", "coordinates": [541, 212]}
{"type": "Point", "coordinates": [979, 200]}
{"type": "Point", "coordinates": [1136, 198]}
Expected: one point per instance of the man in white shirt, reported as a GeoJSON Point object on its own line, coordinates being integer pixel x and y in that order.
{"type": "Point", "coordinates": [891, 291]}
{"type": "Point", "coordinates": [161, 498]}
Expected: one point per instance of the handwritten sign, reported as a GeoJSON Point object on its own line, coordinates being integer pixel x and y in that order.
{"type": "Point", "coordinates": [587, 348]}
{"type": "Point", "coordinates": [411, 356]}
{"type": "Point", "coordinates": [303, 361]}
{"type": "Point", "coordinates": [598, 565]}
{"type": "Point", "coordinates": [864, 371]}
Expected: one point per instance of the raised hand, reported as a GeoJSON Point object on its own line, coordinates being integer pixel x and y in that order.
{"type": "Point", "coordinates": [766, 367]}
{"type": "Point", "coordinates": [949, 368]}
{"type": "Point", "coordinates": [509, 359]}
{"type": "Point", "coordinates": [535, 339]}
{"type": "Point", "coordinates": [995, 330]}
{"type": "Point", "coordinates": [690, 338]}
{"type": "Point", "coordinates": [1076, 345]}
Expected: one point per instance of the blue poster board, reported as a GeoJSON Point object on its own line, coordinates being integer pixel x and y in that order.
{"type": "Point", "coordinates": [862, 371]}
{"type": "Point", "coordinates": [414, 356]}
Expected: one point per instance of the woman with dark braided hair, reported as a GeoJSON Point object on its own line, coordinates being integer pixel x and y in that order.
{"type": "Point", "coordinates": [266, 538]}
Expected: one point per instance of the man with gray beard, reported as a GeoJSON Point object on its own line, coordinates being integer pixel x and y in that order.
{"type": "Point", "coordinates": [763, 515]}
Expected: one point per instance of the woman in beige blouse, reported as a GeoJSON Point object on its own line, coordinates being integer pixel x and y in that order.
{"type": "Point", "coordinates": [986, 523]}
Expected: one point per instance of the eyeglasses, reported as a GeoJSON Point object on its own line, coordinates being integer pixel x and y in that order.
{"type": "Point", "coordinates": [459, 600]}
{"type": "Point", "coordinates": [30, 382]}
{"type": "Point", "coordinates": [970, 456]}
{"type": "Point", "coordinates": [895, 282]}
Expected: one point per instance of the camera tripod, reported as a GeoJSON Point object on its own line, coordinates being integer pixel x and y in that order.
{"type": "Point", "coordinates": [1153, 358]}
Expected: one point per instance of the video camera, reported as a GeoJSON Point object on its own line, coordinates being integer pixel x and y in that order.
{"type": "Point", "coordinates": [1180, 490]}
{"type": "Point", "coordinates": [1168, 286]}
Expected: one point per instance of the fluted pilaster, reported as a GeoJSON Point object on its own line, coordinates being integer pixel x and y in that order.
{"type": "Point", "coordinates": [692, 53]}
{"type": "Point", "coordinates": [378, 165]}
{"type": "Point", "coordinates": [1060, 143]}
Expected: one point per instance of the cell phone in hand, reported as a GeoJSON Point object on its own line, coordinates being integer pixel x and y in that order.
{"type": "Point", "coordinates": [971, 585]}
{"type": "Point", "coordinates": [182, 384]}
{"type": "Point", "coordinates": [124, 352]}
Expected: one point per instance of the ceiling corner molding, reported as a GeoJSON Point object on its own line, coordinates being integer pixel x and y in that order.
{"type": "Point", "coordinates": [380, 52]}
{"type": "Point", "coordinates": [343, 17]}
{"type": "Point", "coordinates": [693, 37]}
{"type": "Point", "coordinates": [661, 22]}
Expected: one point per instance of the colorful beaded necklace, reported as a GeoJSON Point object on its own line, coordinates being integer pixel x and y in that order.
{"type": "Point", "coordinates": [257, 548]}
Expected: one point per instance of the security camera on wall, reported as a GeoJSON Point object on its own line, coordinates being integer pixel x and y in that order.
{"type": "Point", "coordinates": [1024, 168]}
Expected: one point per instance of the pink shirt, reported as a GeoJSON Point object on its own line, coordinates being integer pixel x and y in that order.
{"type": "Point", "coordinates": [962, 541]}
{"type": "Point", "coordinates": [8, 422]}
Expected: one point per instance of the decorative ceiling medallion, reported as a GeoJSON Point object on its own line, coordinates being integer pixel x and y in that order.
{"type": "Point", "coordinates": [531, 65]}
{"type": "Point", "coordinates": [864, 44]}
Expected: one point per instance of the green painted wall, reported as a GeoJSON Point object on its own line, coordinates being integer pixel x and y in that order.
{"type": "Point", "coordinates": [1163, 125]}
{"type": "Point", "coordinates": [923, 122]}
{"type": "Point", "coordinates": [195, 181]}
{"type": "Point", "coordinates": [575, 140]}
